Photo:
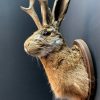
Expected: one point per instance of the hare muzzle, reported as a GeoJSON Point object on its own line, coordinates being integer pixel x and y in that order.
{"type": "Point", "coordinates": [30, 48]}
{"type": "Point", "coordinates": [26, 47]}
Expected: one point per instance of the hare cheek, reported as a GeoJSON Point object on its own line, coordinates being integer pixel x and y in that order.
{"type": "Point", "coordinates": [58, 42]}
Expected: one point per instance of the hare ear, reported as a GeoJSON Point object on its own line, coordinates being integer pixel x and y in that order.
{"type": "Point", "coordinates": [59, 10]}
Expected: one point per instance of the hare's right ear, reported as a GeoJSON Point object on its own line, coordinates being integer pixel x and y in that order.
{"type": "Point", "coordinates": [59, 10]}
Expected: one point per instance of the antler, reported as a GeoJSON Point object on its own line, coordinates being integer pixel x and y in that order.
{"type": "Point", "coordinates": [30, 11]}
{"type": "Point", "coordinates": [46, 12]}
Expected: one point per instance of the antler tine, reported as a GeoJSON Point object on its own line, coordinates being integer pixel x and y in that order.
{"type": "Point", "coordinates": [44, 10]}
{"type": "Point", "coordinates": [30, 11]}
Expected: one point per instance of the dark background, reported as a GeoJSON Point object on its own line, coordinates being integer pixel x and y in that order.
{"type": "Point", "coordinates": [21, 77]}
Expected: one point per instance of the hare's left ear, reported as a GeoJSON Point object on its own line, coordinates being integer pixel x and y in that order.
{"type": "Point", "coordinates": [46, 12]}
{"type": "Point", "coordinates": [59, 10]}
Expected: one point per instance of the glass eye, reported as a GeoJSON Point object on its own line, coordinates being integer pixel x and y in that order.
{"type": "Point", "coordinates": [46, 33]}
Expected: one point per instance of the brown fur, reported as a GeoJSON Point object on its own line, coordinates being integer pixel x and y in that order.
{"type": "Point", "coordinates": [66, 73]}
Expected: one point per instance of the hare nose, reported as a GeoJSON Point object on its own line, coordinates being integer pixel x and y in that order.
{"type": "Point", "coordinates": [26, 44]}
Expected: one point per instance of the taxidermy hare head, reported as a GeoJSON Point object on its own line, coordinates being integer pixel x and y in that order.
{"type": "Point", "coordinates": [65, 67]}
{"type": "Point", "coordinates": [47, 38]}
